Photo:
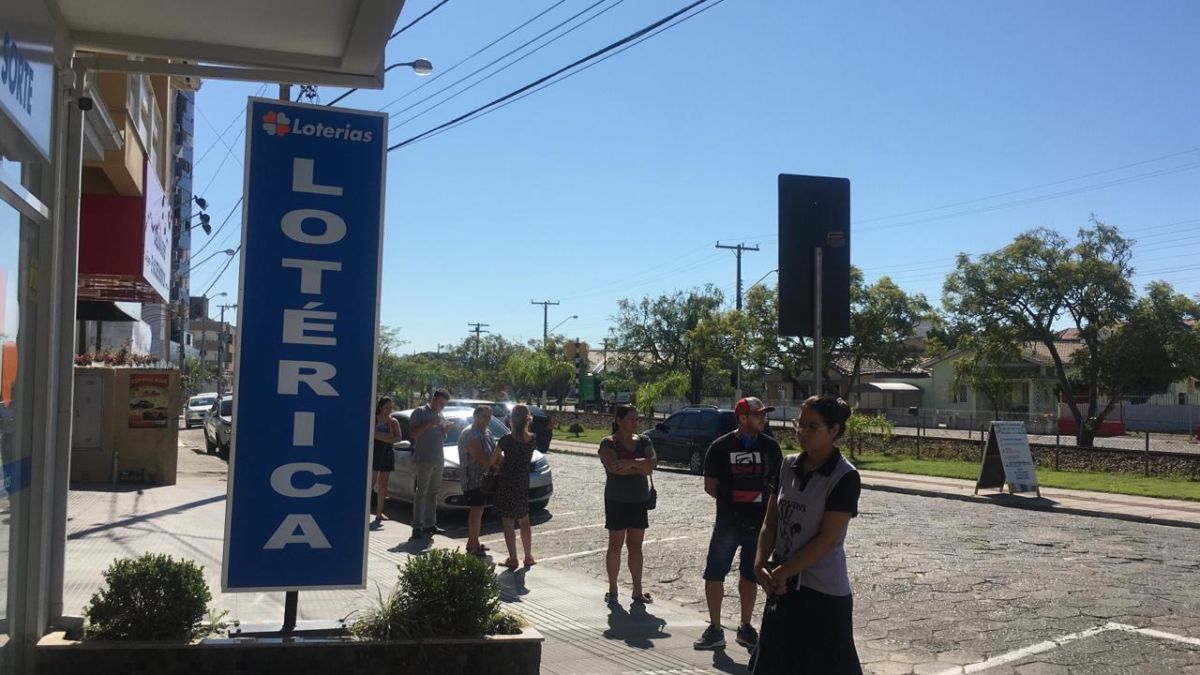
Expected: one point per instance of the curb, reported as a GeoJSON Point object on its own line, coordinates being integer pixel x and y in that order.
{"type": "Point", "coordinates": [1001, 500]}
{"type": "Point", "coordinates": [998, 500]}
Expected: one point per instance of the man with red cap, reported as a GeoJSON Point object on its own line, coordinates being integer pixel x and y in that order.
{"type": "Point", "coordinates": [738, 468]}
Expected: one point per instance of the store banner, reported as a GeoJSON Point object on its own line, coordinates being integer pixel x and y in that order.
{"type": "Point", "coordinates": [308, 318]}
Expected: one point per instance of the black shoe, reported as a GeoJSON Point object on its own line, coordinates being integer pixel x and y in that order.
{"type": "Point", "coordinates": [430, 531]}
{"type": "Point", "coordinates": [713, 638]}
{"type": "Point", "coordinates": [747, 636]}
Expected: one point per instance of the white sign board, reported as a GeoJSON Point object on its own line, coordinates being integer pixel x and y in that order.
{"type": "Point", "coordinates": [1019, 469]}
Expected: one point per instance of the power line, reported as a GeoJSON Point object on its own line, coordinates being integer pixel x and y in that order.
{"type": "Point", "coordinates": [574, 73]}
{"type": "Point", "coordinates": [417, 20]}
{"type": "Point", "coordinates": [1040, 198]}
{"type": "Point", "coordinates": [507, 54]}
{"type": "Point", "coordinates": [222, 272]}
{"type": "Point", "coordinates": [1027, 189]}
{"type": "Point", "coordinates": [477, 52]}
{"type": "Point", "coordinates": [516, 92]}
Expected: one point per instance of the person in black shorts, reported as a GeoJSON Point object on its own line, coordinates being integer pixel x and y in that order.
{"type": "Point", "coordinates": [383, 460]}
{"type": "Point", "coordinates": [628, 459]}
{"type": "Point", "coordinates": [739, 468]}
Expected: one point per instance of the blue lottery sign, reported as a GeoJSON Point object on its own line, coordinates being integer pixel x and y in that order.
{"type": "Point", "coordinates": [304, 377]}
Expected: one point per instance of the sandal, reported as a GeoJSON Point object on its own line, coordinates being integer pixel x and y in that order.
{"type": "Point", "coordinates": [644, 598]}
{"type": "Point", "coordinates": [530, 562]}
{"type": "Point", "coordinates": [610, 598]}
{"type": "Point", "coordinates": [511, 563]}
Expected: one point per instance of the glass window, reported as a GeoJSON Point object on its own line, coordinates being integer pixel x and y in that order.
{"type": "Point", "coordinates": [690, 421]}
{"type": "Point", "coordinates": [18, 242]}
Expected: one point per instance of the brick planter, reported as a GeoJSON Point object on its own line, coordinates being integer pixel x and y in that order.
{"type": "Point", "coordinates": [491, 655]}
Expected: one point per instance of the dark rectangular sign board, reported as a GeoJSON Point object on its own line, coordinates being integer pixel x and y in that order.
{"type": "Point", "coordinates": [814, 211]}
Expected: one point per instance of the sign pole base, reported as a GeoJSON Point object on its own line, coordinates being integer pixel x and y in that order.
{"type": "Point", "coordinates": [291, 602]}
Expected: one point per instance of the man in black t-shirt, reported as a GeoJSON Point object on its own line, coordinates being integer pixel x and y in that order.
{"type": "Point", "coordinates": [738, 468]}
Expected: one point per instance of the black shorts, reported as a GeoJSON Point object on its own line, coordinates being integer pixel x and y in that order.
{"type": "Point", "coordinates": [625, 515]}
{"type": "Point", "coordinates": [383, 459]}
{"type": "Point", "coordinates": [475, 497]}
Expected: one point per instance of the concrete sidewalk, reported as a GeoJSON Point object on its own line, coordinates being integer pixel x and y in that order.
{"type": "Point", "coordinates": [1173, 512]}
{"type": "Point", "coordinates": [582, 634]}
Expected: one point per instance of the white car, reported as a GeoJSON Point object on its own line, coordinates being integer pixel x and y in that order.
{"type": "Point", "coordinates": [450, 496]}
{"type": "Point", "coordinates": [197, 409]}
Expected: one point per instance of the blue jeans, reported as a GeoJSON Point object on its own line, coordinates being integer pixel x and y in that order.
{"type": "Point", "coordinates": [727, 537]}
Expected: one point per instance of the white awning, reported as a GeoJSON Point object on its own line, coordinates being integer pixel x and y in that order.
{"type": "Point", "coordinates": [886, 386]}
{"type": "Point", "coordinates": [331, 42]}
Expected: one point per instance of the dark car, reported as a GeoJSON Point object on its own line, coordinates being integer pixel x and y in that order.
{"type": "Point", "coordinates": [542, 425]}
{"type": "Point", "coordinates": [684, 437]}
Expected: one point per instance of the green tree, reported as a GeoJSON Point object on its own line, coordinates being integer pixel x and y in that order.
{"type": "Point", "coordinates": [680, 332]}
{"type": "Point", "coordinates": [1022, 293]}
{"type": "Point", "coordinates": [389, 377]}
{"type": "Point", "coordinates": [650, 394]}
{"type": "Point", "coordinates": [883, 323]}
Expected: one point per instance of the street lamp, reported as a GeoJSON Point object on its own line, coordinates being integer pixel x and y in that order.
{"type": "Point", "coordinates": [573, 316]}
{"type": "Point", "coordinates": [227, 251]}
{"type": "Point", "coordinates": [421, 67]}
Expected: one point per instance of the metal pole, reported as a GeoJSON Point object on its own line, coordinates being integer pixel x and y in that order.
{"type": "Point", "coordinates": [290, 602]}
{"type": "Point", "coordinates": [291, 599]}
{"type": "Point", "coordinates": [1147, 454]}
{"type": "Point", "coordinates": [817, 327]}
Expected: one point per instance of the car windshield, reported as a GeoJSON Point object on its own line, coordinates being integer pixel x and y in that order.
{"type": "Point", "coordinates": [202, 401]}
{"type": "Point", "coordinates": [495, 426]}
{"type": "Point", "coordinates": [227, 407]}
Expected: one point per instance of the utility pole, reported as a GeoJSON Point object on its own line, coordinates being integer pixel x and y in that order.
{"type": "Point", "coordinates": [738, 250]}
{"type": "Point", "coordinates": [477, 328]}
{"type": "Point", "coordinates": [545, 317]}
{"type": "Point", "coordinates": [222, 336]}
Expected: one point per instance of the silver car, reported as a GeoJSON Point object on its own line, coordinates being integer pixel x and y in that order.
{"type": "Point", "coordinates": [450, 496]}
{"type": "Point", "coordinates": [197, 409]}
{"type": "Point", "coordinates": [218, 427]}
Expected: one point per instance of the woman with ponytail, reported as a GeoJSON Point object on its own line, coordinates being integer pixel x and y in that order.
{"type": "Point", "coordinates": [512, 493]}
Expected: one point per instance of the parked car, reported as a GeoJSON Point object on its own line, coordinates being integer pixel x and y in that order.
{"type": "Point", "coordinates": [197, 409]}
{"type": "Point", "coordinates": [684, 437]}
{"type": "Point", "coordinates": [450, 497]}
{"type": "Point", "coordinates": [542, 425]}
{"type": "Point", "coordinates": [218, 427]}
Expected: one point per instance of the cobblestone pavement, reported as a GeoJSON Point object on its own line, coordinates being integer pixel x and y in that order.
{"type": "Point", "coordinates": [939, 584]}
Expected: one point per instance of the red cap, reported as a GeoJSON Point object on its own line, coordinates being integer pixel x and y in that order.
{"type": "Point", "coordinates": [750, 405]}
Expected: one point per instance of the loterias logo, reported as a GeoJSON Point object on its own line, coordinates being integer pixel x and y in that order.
{"type": "Point", "coordinates": [277, 123]}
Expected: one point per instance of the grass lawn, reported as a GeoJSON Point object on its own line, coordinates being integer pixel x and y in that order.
{"type": "Point", "coordinates": [1119, 483]}
{"type": "Point", "coordinates": [589, 435]}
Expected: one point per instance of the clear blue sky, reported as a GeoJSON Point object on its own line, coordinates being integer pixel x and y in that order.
{"type": "Point", "coordinates": [619, 181]}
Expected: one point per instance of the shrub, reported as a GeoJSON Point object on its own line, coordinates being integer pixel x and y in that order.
{"type": "Point", "coordinates": [439, 594]}
{"type": "Point", "coordinates": [153, 597]}
{"type": "Point", "coordinates": [867, 432]}
{"type": "Point", "coordinates": [576, 428]}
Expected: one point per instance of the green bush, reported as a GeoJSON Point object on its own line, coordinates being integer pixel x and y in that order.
{"type": "Point", "coordinates": [869, 433]}
{"type": "Point", "coordinates": [576, 428]}
{"type": "Point", "coordinates": [439, 594]}
{"type": "Point", "coordinates": [153, 597]}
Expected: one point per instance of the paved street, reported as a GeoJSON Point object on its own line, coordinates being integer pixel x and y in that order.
{"type": "Point", "coordinates": [940, 584]}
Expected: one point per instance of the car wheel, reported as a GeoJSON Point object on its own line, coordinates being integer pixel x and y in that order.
{"type": "Point", "coordinates": [696, 462]}
{"type": "Point", "coordinates": [539, 506]}
{"type": "Point", "coordinates": [223, 452]}
{"type": "Point", "coordinates": [208, 444]}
